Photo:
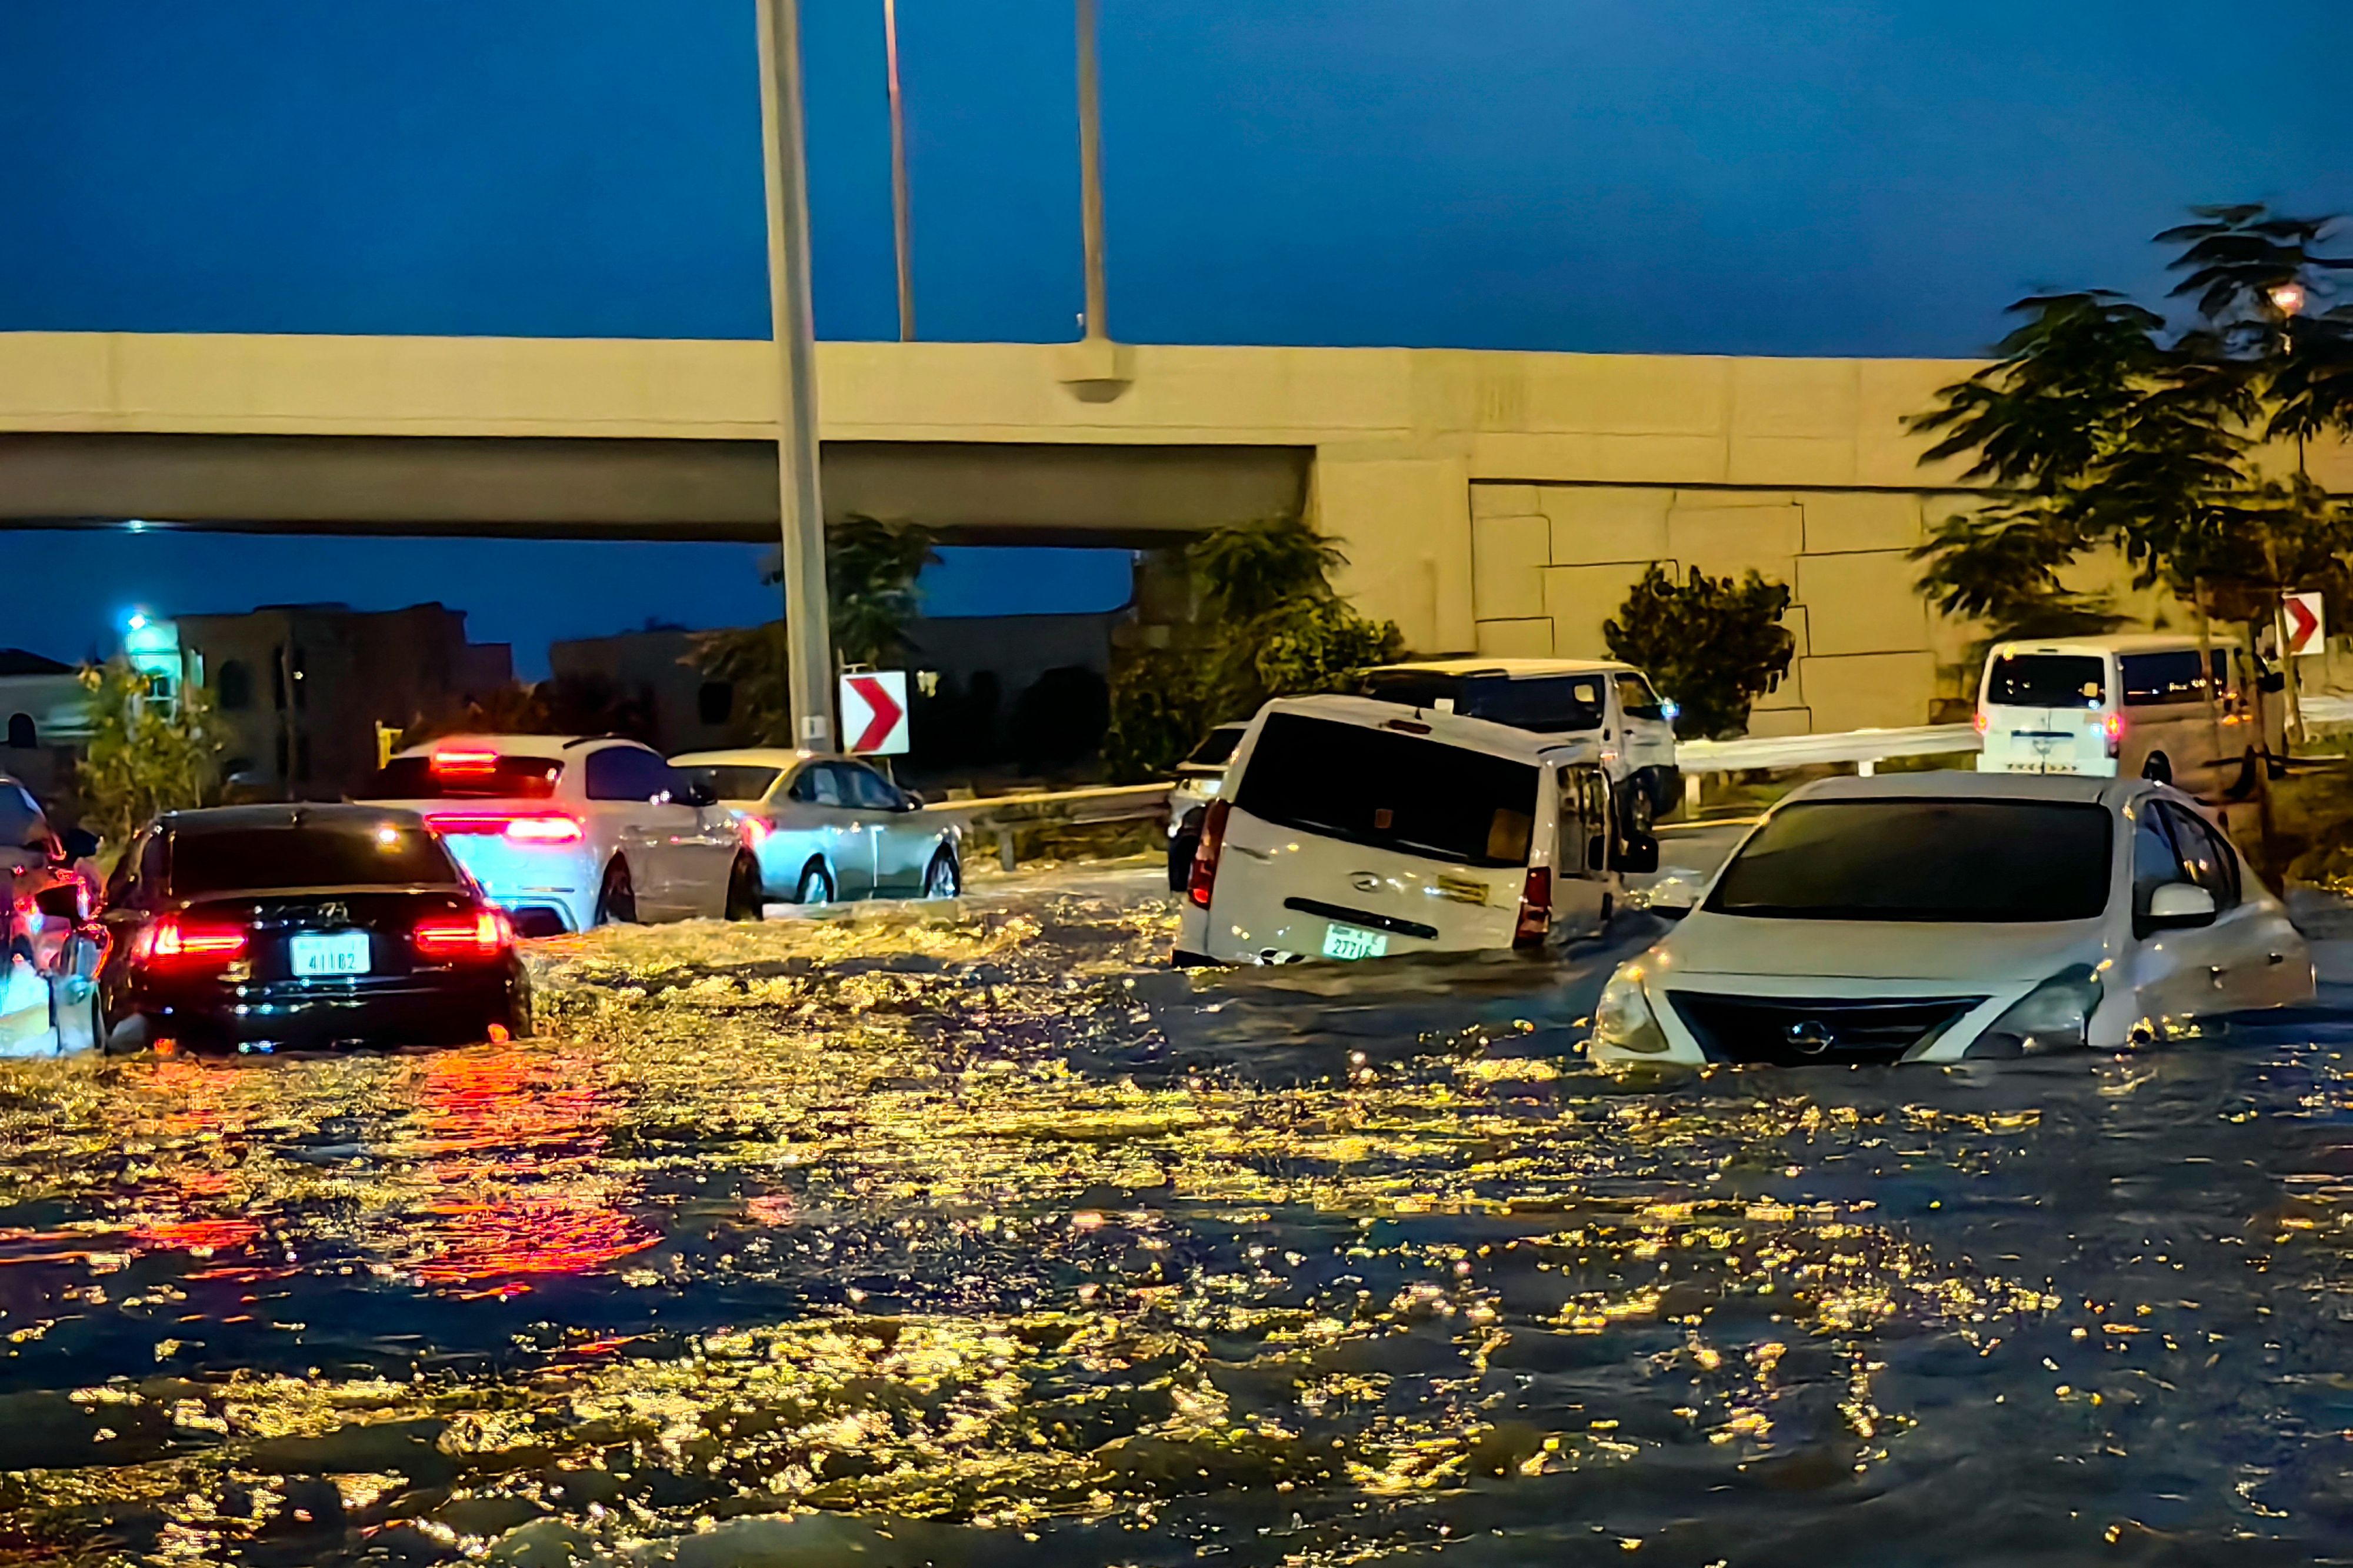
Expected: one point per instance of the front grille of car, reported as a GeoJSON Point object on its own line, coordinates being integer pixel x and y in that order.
{"type": "Point", "coordinates": [1789, 1031]}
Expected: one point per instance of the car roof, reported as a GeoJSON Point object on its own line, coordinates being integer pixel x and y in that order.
{"type": "Point", "coordinates": [1450, 729]}
{"type": "Point", "coordinates": [1952, 784]}
{"type": "Point", "coordinates": [743, 756]}
{"type": "Point", "coordinates": [2122, 642]}
{"type": "Point", "coordinates": [297, 813]}
{"type": "Point", "coordinates": [1513, 669]}
{"type": "Point", "coordinates": [549, 746]}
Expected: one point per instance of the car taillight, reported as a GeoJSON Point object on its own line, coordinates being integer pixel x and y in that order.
{"type": "Point", "coordinates": [2115, 726]}
{"type": "Point", "coordinates": [756, 830]}
{"type": "Point", "coordinates": [177, 942]}
{"type": "Point", "coordinates": [1535, 908]}
{"type": "Point", "coordinates": [1205, 856]}
{"type": "Point", "coordinates": [479, 933]}
{"type": "Point", "coordinates": [524, 827]}
{"type": "Point", "coordinates": [1982, 720]}
{"type": "Point", "coordinates": [456, 764]}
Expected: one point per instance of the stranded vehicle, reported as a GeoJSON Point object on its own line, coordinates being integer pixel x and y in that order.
{"type": "Point", "coordinates": [1610, 704]}
{"type": "Point", "coordinates": [831, 828]}
{"type": "Point", "coordinates": [2127, 707]}
{"type": "Point", "coordinates": [1352, 829]}
{"type": "Point", "coordinates": [566, 834]}
{"type": "Point", "coordinates": [1934, 916]}
{"type": "Point", "coordinates": [1200, 777]}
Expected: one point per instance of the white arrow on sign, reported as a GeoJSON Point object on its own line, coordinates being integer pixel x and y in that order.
{"type": "Point", "coordinates": [2307, 626]}
{"type": "Point", "coordinates": [874, 712]}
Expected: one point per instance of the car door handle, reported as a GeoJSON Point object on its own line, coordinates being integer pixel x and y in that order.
{"type": "Point", "coordinates": [2276, 958]}
{"type": "Point", "coordinates": [2214, 971]}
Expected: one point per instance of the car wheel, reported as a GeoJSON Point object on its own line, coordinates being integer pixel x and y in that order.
{"type": "Point", "coordinates": [616, 900]}
{"type": "Point", "coordinates": [943, 879]}
{"type": "Point", "coordinates": [2158, 769]}
{"type": "Point", "coordinates": [745, 894]}
{"type": "Point", "coordinates": [815, 885]}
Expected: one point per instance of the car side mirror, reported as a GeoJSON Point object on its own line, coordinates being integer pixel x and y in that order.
{"type": "Point", "coordinates": [699, 794]}
{"type": "Point", "coordinates": [910, 801]}
{"type": "Point", "coordinates": [2179, 905]}
{"type": "Point", "coordinates": [2272, 681]}
{"type": "Point", "coordinates": [1672, 898]}
{"type": "Point", "coordinates": [1597, 852]}
{"type": "Point", "coordinates": [60, 901]}
{"type": "Point", "coordinates": [1641, 853]}
{"type": "Point", "coordinates": [80, 843]}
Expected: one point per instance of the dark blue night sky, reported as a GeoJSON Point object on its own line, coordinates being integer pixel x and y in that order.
{"type": "Point", "coordinates": [1683, 175]}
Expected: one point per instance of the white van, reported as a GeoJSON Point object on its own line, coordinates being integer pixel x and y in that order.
{"type": "Point", "coordinates": [1351, 829]}
{"type": "Point", "coordinates": [2125, 706]}
{"type": "Point", "coordinates": [1610, 704]}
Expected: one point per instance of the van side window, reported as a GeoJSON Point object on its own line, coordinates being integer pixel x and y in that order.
{"type": "Point", "coordinates": [2151, 679]}
{"type": "Point", "coordinates": [1635, 696]}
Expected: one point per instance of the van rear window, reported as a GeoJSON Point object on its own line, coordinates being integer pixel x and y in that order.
{"type": "Point", "coordinates": [2047, 681]}
{"type": "Point", "coordinates": [1391, 791]}
{"type": "Point", "coordinates": [1546, 704]}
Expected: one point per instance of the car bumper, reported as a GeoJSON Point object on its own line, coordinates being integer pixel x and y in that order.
{"type": "Point", "coordinates": [446, 1009]}
{"type": "Point", "coordinates": [1820, 1021]}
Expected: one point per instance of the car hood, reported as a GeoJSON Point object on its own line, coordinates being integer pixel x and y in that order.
{"type": "Point", "coordinates": [1709, 943]}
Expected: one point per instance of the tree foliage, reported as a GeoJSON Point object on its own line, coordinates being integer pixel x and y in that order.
{"type": "Point", "coordinates": [870, 567]}
{"type": "Point", "coordinates": [1714, 645]}
{"type": "Point", "coordinates": [2099, 424]}
{"type": "Point", "coordinates": [145, 756]}
{"type": "Point", "coordinates": [1275, 628]}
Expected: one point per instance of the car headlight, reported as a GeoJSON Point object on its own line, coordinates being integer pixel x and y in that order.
{"type": "Point", "coordinates": [1622, 1019]}
{"type": "Point", "coordinates": [2055, 1015]}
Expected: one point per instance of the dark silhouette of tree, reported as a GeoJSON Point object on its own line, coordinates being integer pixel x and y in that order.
{"type": "Point", "coordinates": [1714, 645]}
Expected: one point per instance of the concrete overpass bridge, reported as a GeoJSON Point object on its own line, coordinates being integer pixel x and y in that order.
{"type": "Point", "coordinates": [1495, 502]}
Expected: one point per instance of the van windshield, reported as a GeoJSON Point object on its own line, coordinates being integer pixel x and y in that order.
{"type": "Point", "coordinates": [2047, 681]}
{"type": "Point", "coordinates": [1391, 791]}
{"type": "Point", "coordinates": [1956, 860]}
{"type": "Point", "coordinates": [1546, 704]}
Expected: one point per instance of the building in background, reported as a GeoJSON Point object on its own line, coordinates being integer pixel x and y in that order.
{"type": "Point", "coordinates": [304, 688]}
{"type": "Point", "coordinates": [44, 722]}
{"type": "Point", "coordinates": [644, 680]}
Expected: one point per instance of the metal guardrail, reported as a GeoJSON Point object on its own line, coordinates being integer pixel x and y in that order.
{"type": "Point", "coordinates": [1003, 815]}
{"type": "Point", "coordinates": [1860, 746]}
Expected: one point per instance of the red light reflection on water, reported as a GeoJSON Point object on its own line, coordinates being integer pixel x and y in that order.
{"type": "Point", "coordinates": [515, 1155]}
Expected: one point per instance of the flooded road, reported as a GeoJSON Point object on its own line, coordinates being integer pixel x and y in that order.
{"type": "Point", "coordinates": [976, 1235]}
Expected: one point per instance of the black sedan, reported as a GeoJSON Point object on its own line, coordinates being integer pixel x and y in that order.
{"type": "Point", "coordinates": [263, 928]}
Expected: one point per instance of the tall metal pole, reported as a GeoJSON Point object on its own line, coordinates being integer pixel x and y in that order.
{"type": "Point", "coordinates": [1091, 200]}
{"type": "Point", "coordinates": [807, 626]}
{"type": "Point", "coordinates": [902, 217]}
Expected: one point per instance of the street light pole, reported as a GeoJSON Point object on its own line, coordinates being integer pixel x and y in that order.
{"type": "Point", "coordinates": [902, 216]}
{"type": "Point", "coordinates": [807, 626]}
{"type": "Point", "coordinates": [1091, 199]}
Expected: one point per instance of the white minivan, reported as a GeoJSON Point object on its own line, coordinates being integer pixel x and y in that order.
{"type": "Point", "coordinates": [1610, 704]}
{"type": "Point", "coordinates": [1349, 830]}
{"type": "Point", "coordinates": [2123, 706]}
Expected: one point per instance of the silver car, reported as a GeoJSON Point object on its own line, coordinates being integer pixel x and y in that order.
{"type": "Point", "coordinates": [828, 827]}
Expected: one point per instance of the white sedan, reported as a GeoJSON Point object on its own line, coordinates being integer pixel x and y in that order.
{"type": "Point", "coordinates": [1937, 917]}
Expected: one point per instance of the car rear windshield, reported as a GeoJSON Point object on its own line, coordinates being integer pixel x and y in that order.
{"type": "Point", "coordinates": [2153, 678]}
{"type": "Point", "coordinates": [1391, 791]}
{"type": "Point", "coordinates": [465, 778]}
{"type": "Point", "coordinates": [1549, 704]}
{"type": "Point", "coordinates": [735, 780]}
{"type": "Point", "coordinates": [262, 859]}
{"type": "Point", "coordinates": [1958, 861]}
{"type": "Point", "coordinates": [2047, 681]}
{"type": "Point", "coordinates": [1218, 749]}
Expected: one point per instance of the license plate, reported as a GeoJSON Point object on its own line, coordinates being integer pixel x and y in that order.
{"type": "Point", "coordinates": [330, 953]}
{"type": "Point", "coordinates": [1355, 941]}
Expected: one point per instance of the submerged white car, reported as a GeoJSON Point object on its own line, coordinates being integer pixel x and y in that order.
{"type": "Point", "coordinates": [831, 828]}
{"type": "Point", "coordinates": [1937, 917]}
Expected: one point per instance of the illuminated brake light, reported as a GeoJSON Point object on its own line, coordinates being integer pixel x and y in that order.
{"type": "Point", "coordinates": [534, 827]}
{"type": "Point", "coordinates": [454, 762]}
{"type": "Point", "coordinates": [174, 942]}
{"type": "Point", "coordinates": [1983, 720]}
{"type": "Point", "coordinates": [756, 829]}
{"type": "Point", "coordinates": [484, 933]}
{"type": "Point", "coordinates": [1535, 908]}
{"type": "Point", "coordinates": [1205, 855]}
{"type": "Point", "coordinates": [2115, 725]}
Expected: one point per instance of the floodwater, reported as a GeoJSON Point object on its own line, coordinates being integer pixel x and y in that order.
{"type": "Point", "coordinates": [974, 1235]}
